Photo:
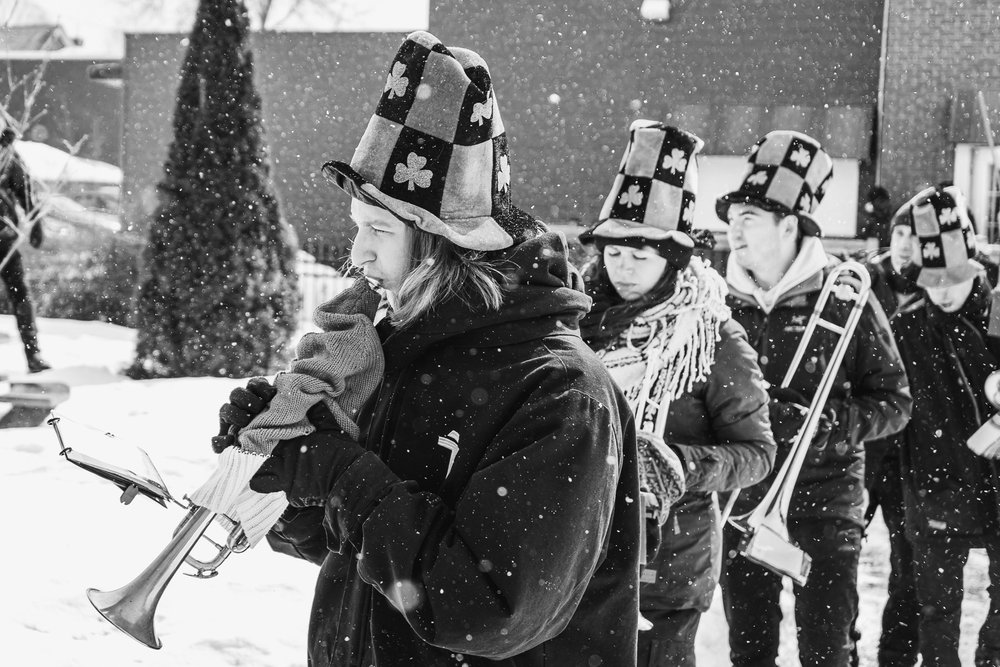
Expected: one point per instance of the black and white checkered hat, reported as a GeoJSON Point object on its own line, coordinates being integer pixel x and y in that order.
{"type": "Point", "coordinates": [435, 152]}
{"type": "Point", "coordinates": [787, 172]}
{"type": "Point", "coordinates": [652, 198]}
{"type": "Point", "coordinates": [939, 219]}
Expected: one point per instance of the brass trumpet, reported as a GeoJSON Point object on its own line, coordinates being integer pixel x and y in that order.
{"type": "Point", "coordinates": [766, 540]}
{"type": "Point", "coordinates": [131, 608]}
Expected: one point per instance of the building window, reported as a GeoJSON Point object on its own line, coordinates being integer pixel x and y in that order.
{"type": "Point", "coordinates": [655, 10]}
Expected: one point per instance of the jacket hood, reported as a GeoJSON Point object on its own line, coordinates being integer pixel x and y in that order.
{"type": "Point", "coordinates": [544, 296]}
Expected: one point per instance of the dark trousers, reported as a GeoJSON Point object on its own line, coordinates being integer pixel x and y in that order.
{"type": "Point", "coordinates": [671, 641]}
{"type": "Point", "coordinates": [939, 566]}
{"type": "Point", "coordinates": [12, 275]}
{"type": "Point", "coordinates": [824, 608]}
{"type": "Point", "coordinates": [897, 646]}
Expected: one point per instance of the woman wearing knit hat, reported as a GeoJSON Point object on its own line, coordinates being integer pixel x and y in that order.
{"type": "Point", "coordinates": [777, 268]}
{"type": "Point", "coordinates": [489, 515]}
{"type": "Point", "coordinates": [661, 326]}
{"type": "Point", "coordinates": [950, 492]}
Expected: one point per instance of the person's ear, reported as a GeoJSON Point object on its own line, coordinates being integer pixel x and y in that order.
{"type": "Point", "coordinates": [789, 225]}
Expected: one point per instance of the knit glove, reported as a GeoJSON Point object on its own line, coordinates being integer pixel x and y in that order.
{"type": "Point", "coordinates": [662, 473]}
{"type": "Point", "coordinates": [244, 404]}
{"type": "Point", "coordinates": [788, 410]}
{"type": "Point", "coordinates": [307, 467]}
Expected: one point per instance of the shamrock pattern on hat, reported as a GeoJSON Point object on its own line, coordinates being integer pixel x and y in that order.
{"type": "Point", "coordinates": [631, 197]}
{"type": "Point", "coordinates": [676, 161]}
{"type": "Point", "coordinates": [503, 173]}
{"type": "Point", "coordinates": [482, 111]}
{"type": "Point", "coordinates": [396, 83]}
{"type": "Point", "coordinates": [413, 172]}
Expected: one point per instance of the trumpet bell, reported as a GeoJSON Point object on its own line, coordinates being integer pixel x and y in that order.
{"type": "Point", "coordinates": [131, 607]}
{"type": "Point", "coordinates": [125, 611]}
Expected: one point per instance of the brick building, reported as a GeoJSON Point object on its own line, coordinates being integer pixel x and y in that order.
{"type": "Point", "coordinates": [939, 56]}
{"type": "Point", "coordinates": [571, 76]}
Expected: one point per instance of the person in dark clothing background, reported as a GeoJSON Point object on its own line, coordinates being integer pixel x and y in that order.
{"type": "Point", "coordinates": [894, 284]}
{"type": "Point", "coordinates": [951, 495]}
{"type": "Point", "coordinates": [878, 213]}
{"type": "Point", "coordinates": [775, 272]}
{"type": "Point", "coordinates": [17, 206]}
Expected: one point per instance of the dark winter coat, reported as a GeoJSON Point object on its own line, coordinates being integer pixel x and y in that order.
{"type": "Point", "coordinates": [518, 547]}
{"type": "Point", "coordinates": [870, 397]}
{"type": "Point", "coordinates": [949, 492]}
{"type": "Point", "coordinates": [15, 190]}
{"type": "Point", "coordinates": [895, 293]}
{"type": "Point", "coordinates": [721, 431]}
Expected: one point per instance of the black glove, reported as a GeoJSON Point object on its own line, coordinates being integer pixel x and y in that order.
{"type": "Point", "coordinates": [788, 411]}
{"type": "Point", "coordinates": [244, 404]}
{"type": "Point", "coordinates": [653, 539]}
{"type": "Point", "coordinates": [37, 235]}
{"type": "Point", "coordinates": [307, 467]}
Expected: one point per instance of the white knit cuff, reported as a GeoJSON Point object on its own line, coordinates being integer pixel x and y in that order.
{"type": "Point", "coordinates": [230, 479]}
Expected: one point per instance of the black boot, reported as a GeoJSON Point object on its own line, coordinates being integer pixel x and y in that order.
{"type": "Point", "coordinates": [25, 317]}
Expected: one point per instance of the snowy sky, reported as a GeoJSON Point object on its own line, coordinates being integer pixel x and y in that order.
{"type": "Point", "coordinates": [101, 24]}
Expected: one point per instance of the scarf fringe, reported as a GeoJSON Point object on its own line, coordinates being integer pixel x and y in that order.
{"type": "Point", "coordinates": [680, 336]}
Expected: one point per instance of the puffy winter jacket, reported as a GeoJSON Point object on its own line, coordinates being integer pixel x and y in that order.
{"type": "Point", "coordinates": [499, 523]}
{"type": "Point", "coordinates": [870, 397]}
{"type": "Point", "coordinates": [721, 431]}
{"type": "Point", "coordinates": [949, 492]}
{"type": "Point", "coordinates": [896, 294]}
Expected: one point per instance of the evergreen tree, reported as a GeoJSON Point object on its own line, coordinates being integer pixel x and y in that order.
{"type": "Point", "coordinates": [219, 296]}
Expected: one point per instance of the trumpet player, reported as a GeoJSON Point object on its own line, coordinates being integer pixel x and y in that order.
{"type": "Point", "coordinates": [951, 496]}
{"type": "Point", "coordinates": [776, 269]}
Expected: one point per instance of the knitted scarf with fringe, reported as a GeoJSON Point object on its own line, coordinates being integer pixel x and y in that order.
{"type": "Point", "coordinates": [670, 347]}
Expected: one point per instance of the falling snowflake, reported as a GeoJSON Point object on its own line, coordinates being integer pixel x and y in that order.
{"type": "Point", "coordinates": [931, 250]}
{"type": "Point", "coordinates": [413, 173]}
{"type": "Point", "coordinates": [801, 157]}
{"type": "Point", "coordinates": [482, 111]}
{"type": "Point", "coordinates": [949, 215]}
{"type": "Point", "coordinates": [758, 178]}
{"type": "Point", "coordinates": [631, 198]}
{"type": "Point", "coordinates": [503, 173]}
{"type": "Point", "coordinates": [676, 161]}
{"type": "Point", "coordinates": [396, 83]}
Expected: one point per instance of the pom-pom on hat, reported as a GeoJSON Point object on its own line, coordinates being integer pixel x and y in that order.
{"type": "Point", "coordinates": [787, 173]}
{"type": "Point", "coordinates": [652, 198]}
{"type": "Point", "coordinates": [947, 239]}
{"type": "Point", "coordinates": [435, 152]}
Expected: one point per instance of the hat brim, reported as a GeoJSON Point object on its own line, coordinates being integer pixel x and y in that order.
{"type": "Point", "coordinates": [614, 228]}
{"type": "Point", "coordinates": [807, 225]}
{"type": "Point", "coordinates": [674, 246]}
{"type": "Point", "coordinates": [948, 277]}
{"type": "Point", "coordinates": [476, 233]}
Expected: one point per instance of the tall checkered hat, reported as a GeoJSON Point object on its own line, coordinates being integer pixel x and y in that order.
{"type": "Point", "coordinates": [435, 152]}
{"type": "Point", "coordinates": [947, 239]}
{"type": "Point", "coordinates": [652, 198]}
{"type": "Point", "coordinates": [787, 173]}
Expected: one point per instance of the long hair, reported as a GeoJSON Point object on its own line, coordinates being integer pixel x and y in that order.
{"type": "Point", "coordinates": [440, 271]}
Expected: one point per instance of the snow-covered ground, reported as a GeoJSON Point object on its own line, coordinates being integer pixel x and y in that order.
{"type": "Point", "coordinates": [68, 532]}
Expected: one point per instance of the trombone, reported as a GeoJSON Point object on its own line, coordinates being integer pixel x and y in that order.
{"type": "Point", "coordinates": [765, 538]}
